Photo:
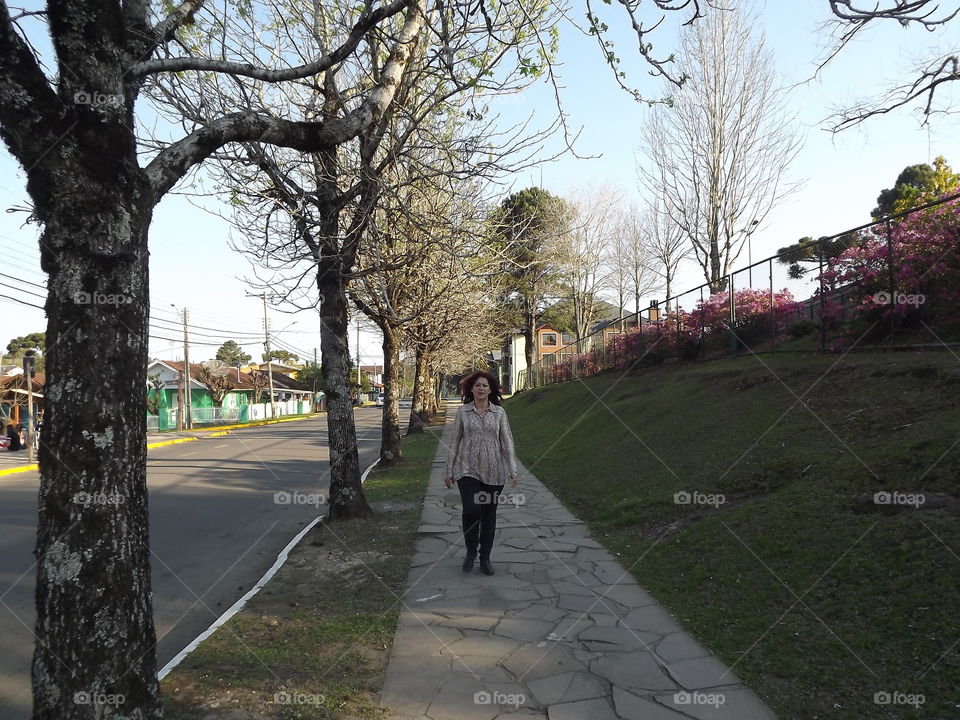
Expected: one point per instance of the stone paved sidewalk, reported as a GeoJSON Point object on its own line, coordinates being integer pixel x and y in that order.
{"type": "Point", "coordinates": [560, 632]}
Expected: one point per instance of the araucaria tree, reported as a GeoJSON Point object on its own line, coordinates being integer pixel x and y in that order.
{"type": "Point", "coordinates": [717, 157]}
{"type": "Point", "coordinates": [69, 120]}
{"type": "Point", "coordinates": [525, 230]}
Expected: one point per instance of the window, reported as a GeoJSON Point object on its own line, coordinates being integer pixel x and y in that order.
{"type": "Point", "coordinates": [567, 338]}
{"type": "Point", "coordinates": [548, 339]}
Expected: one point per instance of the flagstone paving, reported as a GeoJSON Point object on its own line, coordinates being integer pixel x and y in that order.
{"type": "Point", "coordinates": [561, 631]}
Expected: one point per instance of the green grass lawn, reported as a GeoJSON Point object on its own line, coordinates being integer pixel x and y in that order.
{"type": "Point", "coordinates": [818, 597]}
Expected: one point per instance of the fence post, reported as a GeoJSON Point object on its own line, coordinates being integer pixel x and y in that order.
{"type": "Point", "coordinates": [893, 284]}
{"type": "Point", "coordinates": [703, 317]}
{"type": "Point", "coordinates": [732, 316]}
{"type": "Point", "coordinates": [773, 313]}
{"type": "Point", "coordinates": [823, 322]}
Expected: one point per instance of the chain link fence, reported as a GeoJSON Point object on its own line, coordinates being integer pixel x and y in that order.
{"type": "Point", "coordinates": [891, 284]}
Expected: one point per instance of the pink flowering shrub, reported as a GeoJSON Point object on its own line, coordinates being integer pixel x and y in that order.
{"type": "Point", "coordinates": [924, 285]}
{"type": "Point", "coordinates": [583, 365]}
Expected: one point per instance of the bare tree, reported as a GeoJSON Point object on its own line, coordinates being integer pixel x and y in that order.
{"type": "Point", "coordinates": [259, 381]}
{"type": "Point", "coordinates": [633, 250]}
{"type": "Point", "coordinates": [589, 227]}
{"type": "Point", "coordinates": [306, 219]}
{"type": "Point", "coordinates": [423, 233]}
{"type": "Point", "coordinates": [68, 117]}
{"type": "Point", "coordinates": [933, 75]}
{"type": "Point", "coordinates": [718, 157]}
{"type": "Point", "coordinates": [215, 376]}
{"type": "Point", "coordinates": [448, 333]}
{"type": "Point", "coordinates": [666, 245]}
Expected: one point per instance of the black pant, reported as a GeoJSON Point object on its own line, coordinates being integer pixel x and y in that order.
{"type": "Point", "coordinates": [479, 502]}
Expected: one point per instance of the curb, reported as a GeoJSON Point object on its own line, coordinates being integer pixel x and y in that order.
{"type": "Point", "coordinates": [258, 586]}
{"type": "Point", "coordinates": [20, 469]}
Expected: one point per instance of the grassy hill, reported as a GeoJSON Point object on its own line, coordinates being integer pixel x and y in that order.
{"type": "Point", "coordinates": [819, 597]}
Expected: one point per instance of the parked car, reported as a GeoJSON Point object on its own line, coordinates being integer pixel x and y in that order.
{"type": "Point", "coordinates": [379, 400]}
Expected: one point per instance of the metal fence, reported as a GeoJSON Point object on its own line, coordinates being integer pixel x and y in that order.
{"type": "Point", "coordinates": [891, 284]}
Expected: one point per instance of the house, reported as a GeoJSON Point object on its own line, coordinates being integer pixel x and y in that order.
{"type": "Point", "coordinates": [552, 346]}
{"type": "Point", "coordinates": [7, 370]}
{"type": "Point", "coordinates": [509, 362]}
{"type": "Point", "coordinates": [375, 373]}
{"type": "Point", "coordinates": [239, 404]}
{"type": "Point", "coordinates": [13, 398]}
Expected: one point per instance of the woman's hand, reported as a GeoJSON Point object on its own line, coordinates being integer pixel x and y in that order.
{"type": "Point", "coordinates": [513, 481]}
{"type": "Point", "coordinates": [448, 481]}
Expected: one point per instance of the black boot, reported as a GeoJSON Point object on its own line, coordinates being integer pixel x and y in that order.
{"type": "Point", "coordinates": [485, 567]}
{"type": "Point", "coordinates": [468, 561]}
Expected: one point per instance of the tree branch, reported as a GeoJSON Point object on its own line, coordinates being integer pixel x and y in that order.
{"type": "Point", "coordinates": [367, 21]}
{"type": "Point", "coordinates": [942, 71]}
{"type": "Point", "coordinates": [175, 160]}
{"type": "Point", "coordinates": [30, 111]}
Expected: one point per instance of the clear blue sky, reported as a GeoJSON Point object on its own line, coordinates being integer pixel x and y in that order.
{"type": "Point", "coordinates": [192, 264]}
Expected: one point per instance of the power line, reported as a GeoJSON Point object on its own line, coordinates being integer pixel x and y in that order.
{"type": "Point", "coordinates": [219, 331]}
{"type": "Point", "coordinates": [16, 300]}
{"type": "Point", "coordinates": [25, 282]}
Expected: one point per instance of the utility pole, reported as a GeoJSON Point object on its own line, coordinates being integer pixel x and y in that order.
{"type": "Point", "coordinates": [28, 371]}
{"type": "Point", "coordinates": [184, 405]}
{"type": "Point", "coordinates": [180, 376]}
{"type": "Point", "coordinates": [266, 345]}
{"type": "Point", "coordinates": [188, 401]}
{"type": "Point", "coordinates": [359, 384]}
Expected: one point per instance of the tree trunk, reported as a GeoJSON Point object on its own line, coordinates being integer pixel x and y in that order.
{"type": "Point", "coordinates": [95, 649]}
{"type": "Point", "coordinates": [669, 289]}
{"type": "Point", "coordinates": [346, 493]}
{"type": "Point", "coordinates": [433, 397]}
{"type": "Point", "coordinates": [390, 450]}
{"type": "Point", "coordinates": [419, 412]}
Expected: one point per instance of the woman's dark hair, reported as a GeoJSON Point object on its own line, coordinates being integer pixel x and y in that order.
{"type": "Point", "coordinates": [466, 387]}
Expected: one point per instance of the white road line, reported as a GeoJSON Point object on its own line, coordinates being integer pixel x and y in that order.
{"type": "Point", "coordinates": [238, 605]}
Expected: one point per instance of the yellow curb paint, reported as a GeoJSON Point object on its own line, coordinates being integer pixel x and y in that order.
{"type": "Point", "coordinates": [22, 468]}
{"type": "Point", "coordinates": [170, 442]}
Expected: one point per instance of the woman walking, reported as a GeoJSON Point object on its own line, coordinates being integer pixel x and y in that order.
{"type": "Point", "coordinates": [482, 459]}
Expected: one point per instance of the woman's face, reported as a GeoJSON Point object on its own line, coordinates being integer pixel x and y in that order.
{"type": "Point", "coordinates": [481, 389]}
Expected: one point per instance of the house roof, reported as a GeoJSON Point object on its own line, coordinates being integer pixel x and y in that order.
{"type": "Point", "coordinates": [240, 383]}
{"type": "Point", "coordinates": [19, 382]}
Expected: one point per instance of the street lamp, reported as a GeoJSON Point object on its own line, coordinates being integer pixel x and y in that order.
{"type": "Point", "coordinates": [749, 231]}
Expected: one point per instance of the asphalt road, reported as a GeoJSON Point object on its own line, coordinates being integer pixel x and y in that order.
{"type": "Point", "coordinates": [215, 526]}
